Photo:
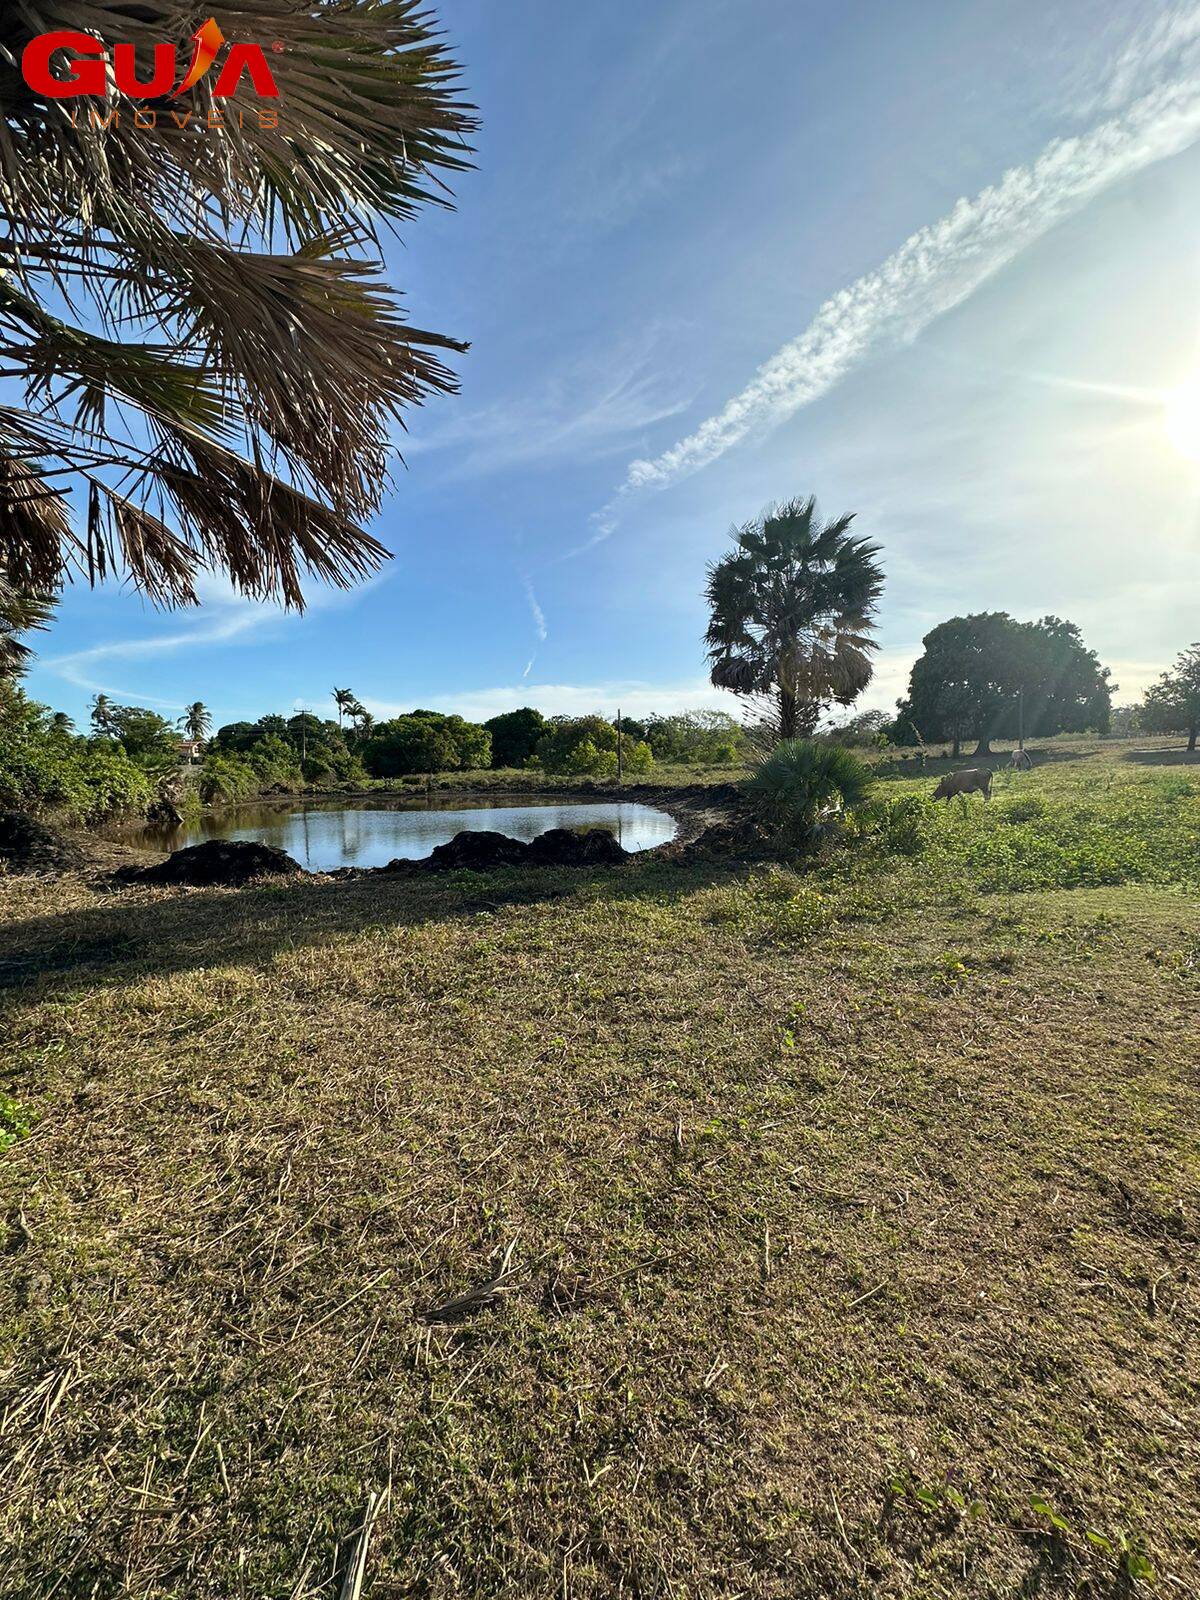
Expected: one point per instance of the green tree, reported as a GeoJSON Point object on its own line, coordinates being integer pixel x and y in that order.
{"type": "Point", "coordinates": [196, 721]}
{"type": "Point", "coordinates": [515, 735]}
{"type": "Point", "coordinates": [471, 742]}
{"type": "Point", "coordinates": [234, 738]}
{"type": "Point", "coordinates": [975, 671]}
{"type": "Point", "coordinates": [230, 292]}
{"type": "Point", "coordinates": [1172, 705]}
{"type": "Point", "coordinates": [792, 611]}
{"type": "Point", "coordinates": [409, 745]}
{"type": "Point", "coordinates": [345, 702]}
{"type": "Point", "coordinates": [147, 738]}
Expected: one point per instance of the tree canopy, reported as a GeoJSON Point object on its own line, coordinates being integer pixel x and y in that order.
{"type": "Point", "coordinates": [792, 611]}
{"type": "Point", "coordinates": [515, 735]}
{"type": "Point", "coordinates": [195, 324]}
{"type": "Point", "coordinates": [1172, 705]}
{"type": "Point", "coordinates": [426, 741]}
{"type": "Point", "coordinates": [973, 672]}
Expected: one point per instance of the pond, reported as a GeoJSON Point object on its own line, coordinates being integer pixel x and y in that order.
{"type": "Point", "coordinates": [325, 834]}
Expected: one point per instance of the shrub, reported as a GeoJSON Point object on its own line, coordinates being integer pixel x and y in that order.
{"type": "Point", "coordinates": [587, 747]}
{"type": "Point", "coordinates": [639, 759]}
{"type": "Point", "coordinates": [585, 760]}
{"type": "Point", "coordinates": [223, 779]}
{"type": "Point", "coordinates": [903, 824]}
{"type": "Point", "coordinates": [43, 768]}
{"type": "Point", "coordinates": [803, 786]}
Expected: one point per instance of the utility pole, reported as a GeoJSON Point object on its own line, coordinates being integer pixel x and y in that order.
{"type": "Point", "coordinates": [1021, 718]}
{"type": "Point", "coordinates": [620, 752]}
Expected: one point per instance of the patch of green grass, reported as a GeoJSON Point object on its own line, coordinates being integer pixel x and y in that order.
{"type": "Point", "coordinates": [14, 1122]}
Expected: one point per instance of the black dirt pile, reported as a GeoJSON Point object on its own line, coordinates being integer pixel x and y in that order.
{"type": "Point", "coordinates": [30, 847]}
{"type": "Point", "coordinates": [216, 862]}
{"type": "Point", "coordinates": [559, 847]}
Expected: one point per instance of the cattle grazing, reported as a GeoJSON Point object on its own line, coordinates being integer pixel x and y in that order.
{"type": "Point", "coordinates": [971, 780]}
{"type": "Point", "coordinates": [1021, 761]}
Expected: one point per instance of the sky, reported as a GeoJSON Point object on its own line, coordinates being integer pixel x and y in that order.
{"type": "Point", "coordinates": [937, 264]}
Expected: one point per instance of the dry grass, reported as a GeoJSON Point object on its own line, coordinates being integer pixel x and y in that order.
{"type": "Point", "coordinates": [645, 1233]}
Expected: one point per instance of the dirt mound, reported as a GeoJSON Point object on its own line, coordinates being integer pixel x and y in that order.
{"type": "Point", "coordinates": [559, 847]}
{"type": "Point", "coordinates": [29, 846]}
{"type": "Point", "coordinates": [567, 847]}
{"type": "Point", "coordinates": [477, 852]}
{"type": "Point", "coordinates": [220, 861]}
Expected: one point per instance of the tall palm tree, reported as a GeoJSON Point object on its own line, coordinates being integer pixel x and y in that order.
{"type": "Point", "coordinates": [103, 716]}
{"type": "Point", "coordinates": [792, 609]}
{"type": "Point", "coordinates": [195, 319]}
{"type": "Point", "coordinates": [196, 721]}
{"type": "Point", "coordinates": [362, 719]}
{"type": "Point", "coordinates": [345, 702]}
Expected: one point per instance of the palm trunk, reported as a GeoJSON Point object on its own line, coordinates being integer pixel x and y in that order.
{"type": "Point", "coordinates": [1192, 732]}
{"type": "Point", "coordinates": [788, 714]}
{"type": "Point", "coordinates": [957, 750]}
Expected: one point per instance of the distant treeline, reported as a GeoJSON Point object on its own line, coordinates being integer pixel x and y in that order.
{"type": "Point", "coordinates": [245, 757]}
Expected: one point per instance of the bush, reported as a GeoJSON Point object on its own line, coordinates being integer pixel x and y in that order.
{"type": "Point", "coordinates": [802, 786]}
{"type": "Point", "coordinates": [585, 760]}
{"type": "Point", "coordinates": [902, 824]}
{"type": "Point", "coordinates": [223, 779]}
{"type": "Point", "coordinates": [587, 747]}
{"type": "Point", "coordinates": [44, 768]}
{"type": "Point", "coordinates": [696, 738]}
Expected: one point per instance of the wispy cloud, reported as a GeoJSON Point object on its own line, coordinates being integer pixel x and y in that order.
{"type": "Point", "coordinates": [224, 615]}
{"type": "Point", "coordinates": [539, 622]}
{"type": "Point", "coordinates": [536, 612]}
{"type": "Point", "coordinates": [934, 270]}
{"type": "Point", "coordinates": [585, 412]}
{"type": "Point", "coordinates": [92, 668]}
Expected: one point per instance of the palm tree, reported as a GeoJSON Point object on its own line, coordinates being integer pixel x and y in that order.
{"type": "Point", "coordinates": [196, 721]}
{"type": "Point", "coordinates": [362, 719]}
{"type": "Point", "coordinates": [344, 700]}
{"type": "Point", "coordinates": [792, 608]}
{"type": "Point", "coordinates": [19, 613]}
{"type": "Point", "coordinates": [225, 395]}
{"type": "Point", "coordinates": [103, 717]}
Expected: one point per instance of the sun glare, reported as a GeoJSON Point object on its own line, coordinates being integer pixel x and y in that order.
{"type": "Point", "coordinates": [1181, 418]}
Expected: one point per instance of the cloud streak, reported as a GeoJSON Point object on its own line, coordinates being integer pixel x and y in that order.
{"type": "Point", "coordinates": [934, 270]}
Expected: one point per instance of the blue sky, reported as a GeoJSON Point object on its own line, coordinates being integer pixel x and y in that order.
{"type": "Point", "coordinates": [937, 263]}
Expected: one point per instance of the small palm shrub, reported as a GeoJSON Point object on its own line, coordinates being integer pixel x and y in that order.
{"type": "Point", "coordinates": [802, 788]}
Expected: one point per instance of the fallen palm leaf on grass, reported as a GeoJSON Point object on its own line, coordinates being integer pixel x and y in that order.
{"type": "Point", "coordinates": [484, 1294]}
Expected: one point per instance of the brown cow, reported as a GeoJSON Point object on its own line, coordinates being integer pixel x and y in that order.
{"type": "Point", "coordinates": [970, 781]}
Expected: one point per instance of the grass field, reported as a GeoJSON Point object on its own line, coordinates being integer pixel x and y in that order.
{"type": "Point", "coordinates": [845, 1219]}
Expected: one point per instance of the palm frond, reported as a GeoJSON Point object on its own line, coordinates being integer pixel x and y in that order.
{"type": "Point", "coordinates": [300, 355]}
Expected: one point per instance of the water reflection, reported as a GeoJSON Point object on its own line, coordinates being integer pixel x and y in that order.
{"type": "Point", "coordinates": [325, 834]}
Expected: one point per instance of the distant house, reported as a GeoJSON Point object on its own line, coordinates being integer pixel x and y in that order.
{"type": "Point", "coordinates": [190, 751]}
